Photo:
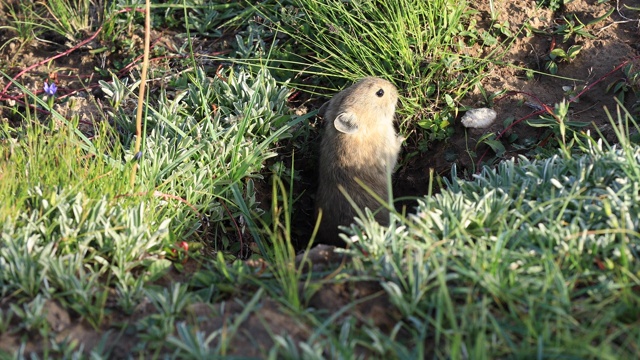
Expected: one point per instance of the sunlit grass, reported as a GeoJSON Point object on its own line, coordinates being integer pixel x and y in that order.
{"type": "Point", "coordinates": [418, 45]}
{"type": "Point", "coordinates": [532, 259]}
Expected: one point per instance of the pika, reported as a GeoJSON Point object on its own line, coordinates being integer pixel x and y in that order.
{"type": "Point", "coordinates": [359, 142]}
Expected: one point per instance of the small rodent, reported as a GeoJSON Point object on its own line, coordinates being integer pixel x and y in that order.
{"type": "Point", "coordinates": [359, 141]}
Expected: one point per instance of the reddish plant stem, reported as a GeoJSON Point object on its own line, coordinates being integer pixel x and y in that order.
{"type": "Point", "coordinates": [90, 38]}
{"type": "Point", "coordinates": [545, 107]}
{"type": "Point", "coordinates": [588, 87]}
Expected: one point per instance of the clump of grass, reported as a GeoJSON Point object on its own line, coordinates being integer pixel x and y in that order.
{"type": "Point", "coordinates": [71, 20]}
{"type": "Point", "coordinates": [71, 220]}
{"type": "Point", "coordinates": [208, 144]}
{"type": "Point", "coordinates": [19, 23]}
{"type": "Point", "coordinates": [418, 45]}
{"type": "Point", "coordinates": [524, 255]}
{"type": "Point", "coordinates": [208, 19]}
{"type": "Point", "coordinates": [37, 157]}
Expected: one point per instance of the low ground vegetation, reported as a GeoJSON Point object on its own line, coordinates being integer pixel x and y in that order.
{"type": "Point", "coordinates": [531, 250]}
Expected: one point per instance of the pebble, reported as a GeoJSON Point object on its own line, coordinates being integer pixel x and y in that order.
{"type": "Point", "coordinates": [479, 118]}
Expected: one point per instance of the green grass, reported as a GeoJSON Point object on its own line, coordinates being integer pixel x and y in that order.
{"type": "Point", "coordinates": [532, 259]}
{"type": "Point", "coordinates": [538, 256]}
{"type": "Point", "coordinates": [421, 46]}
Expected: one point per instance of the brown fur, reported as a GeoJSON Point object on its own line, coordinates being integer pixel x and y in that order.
{"type": "Point", "coordinates": [365, 153]}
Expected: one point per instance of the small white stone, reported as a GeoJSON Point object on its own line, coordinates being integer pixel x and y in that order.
{"type": "Point", "coordinates": [479, 118]}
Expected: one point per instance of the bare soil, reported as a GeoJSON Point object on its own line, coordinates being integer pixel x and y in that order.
{"type": "Point", "coordinates": [616, 40]}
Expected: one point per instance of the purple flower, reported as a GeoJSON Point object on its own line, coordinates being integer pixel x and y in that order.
{"type": "Point", "coordinates": [50, 89]}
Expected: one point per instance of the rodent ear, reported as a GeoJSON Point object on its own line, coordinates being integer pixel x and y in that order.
{"type": "Point", "coordinates": [323, 109]}
{"type": "Point", "coordinates": [346, 123]}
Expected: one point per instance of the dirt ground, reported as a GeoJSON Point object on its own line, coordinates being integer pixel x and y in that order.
{"type": "Point", "coordinates": [617, 39]}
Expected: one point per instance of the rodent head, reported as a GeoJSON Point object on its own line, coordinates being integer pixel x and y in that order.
{"type": "Point", "coordinates": [369, 102]}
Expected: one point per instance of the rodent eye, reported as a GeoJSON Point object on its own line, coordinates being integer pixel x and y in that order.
{"type": "Point", "coordinates": [380, 92]}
